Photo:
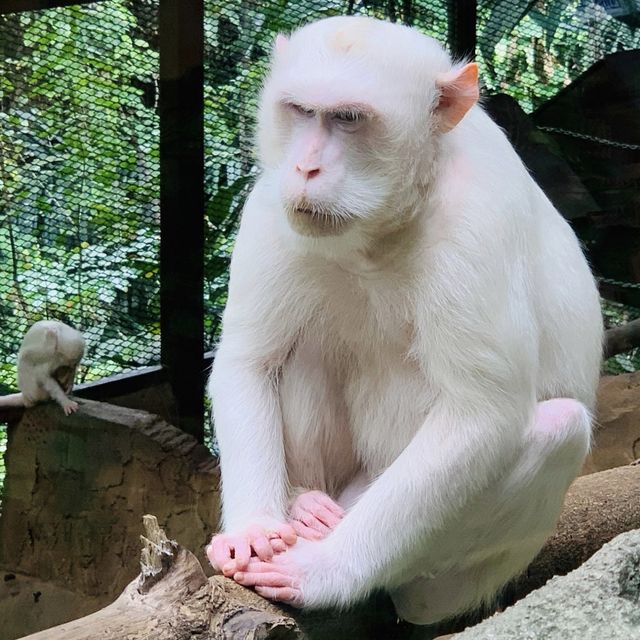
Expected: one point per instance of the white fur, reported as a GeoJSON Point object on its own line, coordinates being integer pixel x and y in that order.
{"type": "Point", "coordinates": [412, 347]}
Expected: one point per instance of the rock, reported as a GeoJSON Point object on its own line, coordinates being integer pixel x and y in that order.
{"type": "Point", "coordinates": [598, 601]}
{"type": "Point", "coordinates": [597, 508]}
{"type": "Point", "coordinates": [76, 489]}
{"type": "Point", "coordinates": [617, 434]}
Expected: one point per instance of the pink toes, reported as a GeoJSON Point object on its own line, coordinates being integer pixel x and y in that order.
{"type": "Point", "coordinates": [232, 552]}
{"type": "Point", "coordinates": [314, 514]}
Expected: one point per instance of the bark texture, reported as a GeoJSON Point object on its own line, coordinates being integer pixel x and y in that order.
{"type": "Point", "coordinates": [172, 599]}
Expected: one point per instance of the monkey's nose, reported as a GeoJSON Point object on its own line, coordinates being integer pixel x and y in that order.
{"type": "Point", "coordinates": [308, 172]}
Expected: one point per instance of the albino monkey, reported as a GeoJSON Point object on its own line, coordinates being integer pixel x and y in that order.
{"type": "Point", "coordinates": [412, 341]}
{"type": "Point", "coordinates": [47, 363]}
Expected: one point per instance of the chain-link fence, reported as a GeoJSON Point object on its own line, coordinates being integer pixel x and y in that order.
{"type": "Point", "coordinates": [79, 148]}
{"type": "Point", "coordinates": [79, 186]}
{"type": "Point", "coordinates": [239, 37]}
{"type": "Point", "coordinates": [573, 66]}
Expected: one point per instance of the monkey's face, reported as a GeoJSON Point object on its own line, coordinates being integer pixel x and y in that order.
{"type": "Point", "coordinates": [339, 124]}
{"type": "Point", "coordinates": [330, 178]}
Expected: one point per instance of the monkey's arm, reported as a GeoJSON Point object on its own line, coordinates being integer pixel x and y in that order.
{"type": "Point", "coordinates": [260, 325]}
{"type": "Point", "coordinates": [53, 388]}
{"type": "Point", "coordinates": [249, 432]}
{"type": "Point", "coordinates": [250, 438]}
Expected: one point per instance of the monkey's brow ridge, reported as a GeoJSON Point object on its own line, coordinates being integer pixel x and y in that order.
{"type": "Point", "coordinates": [357, 108]}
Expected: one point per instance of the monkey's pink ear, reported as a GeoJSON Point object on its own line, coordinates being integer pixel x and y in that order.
{"type": "Point", "coordinates": [458, 93]}
{"type": "Point", "coordinates": [281, 43]}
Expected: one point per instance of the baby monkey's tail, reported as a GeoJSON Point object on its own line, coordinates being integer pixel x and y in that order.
{"type": "Point", "coordinates": [12, 400]}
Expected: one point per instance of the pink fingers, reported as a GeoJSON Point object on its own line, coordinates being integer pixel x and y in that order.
{"type": "Point", "coordinates": [332, 506]}
{"type": "Point", "coordinates": [287, 533]}
{"type": "Point", "coordinates": [325, 516]}
{"type": "Point", "coordinates": [278, 545]}
{"type": "Point", "coordinates": [306, 532]}
{"type": "Point", "coordinates": [262, 546]}
{"type": "Point", "coordinates": [242, 550]}
{"type": "Point", "coordinates": [218, 552]}
{"type": "Point", "coordinates": [312, 521]}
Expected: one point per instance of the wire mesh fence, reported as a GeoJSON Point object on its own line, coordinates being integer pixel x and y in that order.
{"type": "Point", "coordinates": [79, 149]}
{"type": "Point", "coordinates": [79, 186]}
{"type": "Point", "coordinates": [239, 39]}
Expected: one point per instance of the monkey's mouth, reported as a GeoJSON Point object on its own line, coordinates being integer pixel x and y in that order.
{"type": "Point", "coordinates": [310, 211]}
{"type": "Point", "coordinates": [307, 211]}
{"type": "Point", "coordinates": [311, 219]}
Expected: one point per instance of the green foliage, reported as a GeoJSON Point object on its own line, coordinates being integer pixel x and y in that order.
{"type": "Point", "coordinates": [531, 49]}
{"type": "Point", "coordinates": [79, 145]}
{"type": "Point", "coordinates": [79, 182]}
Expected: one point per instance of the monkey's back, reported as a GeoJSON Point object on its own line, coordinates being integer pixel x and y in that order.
{"type": "Point", "coordinates": [563, 295]}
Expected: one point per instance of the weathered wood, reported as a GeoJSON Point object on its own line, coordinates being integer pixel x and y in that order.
{"type": "Point", "coordinates": [173, 599]}
{"type": "Point", "coordinates": [621, 339]}
{"type": "Point", "coordinates": [75, 492]}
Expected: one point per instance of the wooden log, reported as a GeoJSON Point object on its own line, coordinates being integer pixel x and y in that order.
{"type": "Point", "coordinates": [621, 339]}
{"type": "Point", "coordinates": [173, 599]}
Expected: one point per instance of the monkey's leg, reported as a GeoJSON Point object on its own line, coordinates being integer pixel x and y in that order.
{"type": "Point", "coordinates": [13, 400]}
{"type": "Point", "coordinates": [508, 524]}
{"type": "Point", "coordinates": [428, 600]}
{"type": "Point", "coordinates": [53, 388]}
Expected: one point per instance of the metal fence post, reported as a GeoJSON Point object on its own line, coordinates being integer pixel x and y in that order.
{"type": "Point", "coordinates": [181, 106]}
{"type": "Point", "coordinates": [462, 15]}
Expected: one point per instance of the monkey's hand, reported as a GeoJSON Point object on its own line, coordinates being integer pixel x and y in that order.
{"type": "Point", "coordinates": [69, 406]}
{"type": "Point", "coordinates": [314, 514]}
{"type": "Point", "coordinates": [230, 553]}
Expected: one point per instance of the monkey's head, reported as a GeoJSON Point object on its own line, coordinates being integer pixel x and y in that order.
{"type": "Point", "coordinates": [351, 118]}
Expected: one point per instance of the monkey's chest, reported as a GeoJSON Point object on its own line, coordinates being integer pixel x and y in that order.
{"type": "Point", "coordinates": [351, 395]}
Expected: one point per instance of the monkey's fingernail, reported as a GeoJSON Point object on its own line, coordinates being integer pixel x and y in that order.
{"type": "Point", "coordinates": [238, 576]}
{"type": "Point", "coordinates": [229, 567]}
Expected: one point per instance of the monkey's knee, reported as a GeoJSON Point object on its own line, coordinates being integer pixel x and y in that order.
{"type": "Point", "coordinates": [562, 427]}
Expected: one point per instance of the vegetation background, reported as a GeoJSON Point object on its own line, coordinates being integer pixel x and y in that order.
{"type": "Point", "coordinates": [79, 147]}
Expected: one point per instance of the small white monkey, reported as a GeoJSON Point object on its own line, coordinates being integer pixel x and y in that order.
{"type": "Point", "coordinates": [412, 341]}
{"type": "Point", "coordinates": [47, 362]}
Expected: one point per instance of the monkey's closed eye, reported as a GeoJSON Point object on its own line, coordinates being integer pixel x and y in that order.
{"type": "Point", "coordinates": [348, 120]}
{"type": "Point", "coordinates": [300, 110]}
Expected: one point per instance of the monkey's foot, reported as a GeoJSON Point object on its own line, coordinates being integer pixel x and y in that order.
{"type": "Point", "coordinates": [314, 514]}
{"type": "Point", "coordinates": [277, 580]}
{"type": "Point", "coordinates": [232, 552]}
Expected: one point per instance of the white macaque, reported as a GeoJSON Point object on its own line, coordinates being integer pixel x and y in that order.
{"type": "Point", "coordinates": [412, 341]}
{"type": "Point", "coordinates": [47, 364]}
